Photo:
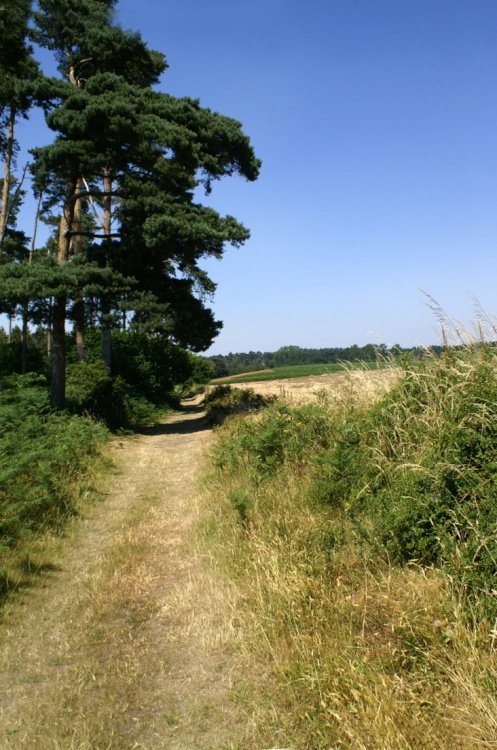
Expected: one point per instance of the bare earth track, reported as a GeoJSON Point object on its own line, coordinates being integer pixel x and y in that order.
{"type": "Point", "coordinates": [123, 647]}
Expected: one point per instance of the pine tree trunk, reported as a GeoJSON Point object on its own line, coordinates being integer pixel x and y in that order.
{"type": "Point", "coordinates": [49, 331]}
{"type": "Point", "coordinates": [25, 307]}
{"type": "Point", "coordinates": [7, 177]}
{"type": "Point", "coordinates": [58, 346]}
{"type": "Point", "coordinates": [24, 340]}
{"type": "Point", "coordinates": [79, 328]}
{"type": "Point", "coordinates": [106, 336]}
{"type": "Point", "coordinates": [58, 360]}
{"type": "Point", "coordinates": [79, 304]}
{"type": "Point", "coordinates": [35, 229]}
{"type": "Point", "coordinates": [106, 309]}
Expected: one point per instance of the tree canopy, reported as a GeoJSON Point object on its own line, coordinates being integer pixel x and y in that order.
{"type": "Point", "coordinates": [121, 183]}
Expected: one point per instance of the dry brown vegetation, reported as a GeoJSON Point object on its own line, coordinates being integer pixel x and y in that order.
{"type": "Point", "coordinates": [362, 384]}
{"type": "Point", "coordinates": [340, 648]}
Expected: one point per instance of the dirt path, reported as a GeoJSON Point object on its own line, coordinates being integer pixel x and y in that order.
{"type": "Point", "coordinates": [127, 643]}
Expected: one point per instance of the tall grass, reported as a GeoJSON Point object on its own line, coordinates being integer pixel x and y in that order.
{"type": "Point", "coordinates": [363, 542]}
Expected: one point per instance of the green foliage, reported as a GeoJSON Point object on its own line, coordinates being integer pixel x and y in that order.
{"type": "Point", "coordinates": [19, 71]}
{"type": "Point", "coordinates": [152, 365]}
{"type": "Point", "coordinates": [11, 356]}
{"type": "Point", "coordinates": [145, 373]}
{"type": "Point", "coordinates": [426, 479]}
{"type": "Point", "coordinates": [202, 370]}
{"type": "Point", "coordinates": [43, 456]}
{"type": "Point", "coordinates": [91, 390]}
{"type": "Point", "coordinates": [281, 436]}
{"type": "Point", "coordinates": [148, 372]}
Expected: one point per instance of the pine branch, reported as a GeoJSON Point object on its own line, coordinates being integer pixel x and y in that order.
{"type": "Point", "coordinates": [92, 235]}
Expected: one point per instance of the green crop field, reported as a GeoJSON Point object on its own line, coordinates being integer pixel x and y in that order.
{"type": "Point", "coordinates": [293, 371]}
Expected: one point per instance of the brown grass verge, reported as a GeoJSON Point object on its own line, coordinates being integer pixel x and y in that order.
{"type": "Point", "coordinates": [340, 649]}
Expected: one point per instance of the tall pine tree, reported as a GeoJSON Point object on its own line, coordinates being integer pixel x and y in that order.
{"type": "Point", "coordinates": [21, 84]}
{"type": "Point", "coordinates": [140, 155]}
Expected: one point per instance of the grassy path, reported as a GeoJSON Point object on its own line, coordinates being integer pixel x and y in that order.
{"type": "Point", "coordinates": [126, 645]}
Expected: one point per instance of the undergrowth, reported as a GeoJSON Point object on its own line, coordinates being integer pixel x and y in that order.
{"type": "Point", "coordinates": [224, 401]}
{"type": "Point", "coordinates": [44, 461]}
{"type": "Point", "coordinates": [363, 541]}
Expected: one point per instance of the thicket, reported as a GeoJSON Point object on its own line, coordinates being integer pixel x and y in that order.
{"type": "Point", "coordinates": [44, 459]}
{"type": "Point", "coordinates": [147, 372]}
{"type": "Point", "coordinates": [361, 541]}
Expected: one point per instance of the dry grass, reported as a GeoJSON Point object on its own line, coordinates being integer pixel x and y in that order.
{"type": "Point", "coordinates": [361, 384]}
{"type": "Point", "coordinates": [339, 649]}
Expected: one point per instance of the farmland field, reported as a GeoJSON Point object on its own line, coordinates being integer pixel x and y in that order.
{"type": "Point", "coordinates": [294, 371]}
{"type": "Point", "coordinates": [315, 382]}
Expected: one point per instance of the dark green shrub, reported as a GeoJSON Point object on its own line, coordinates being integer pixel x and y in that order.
{"type": "Point", "coordinates": [153, 366]}
{"type": "Point", "coordinates": [11, 356]}
{"type": "Point", "coordinates": [280, 436]}
{"type": "Point", "coordinates": [224, 401]}
{"type": "Point", "coordinates": [91, 390]}
{"type": "Point", "coordinates": [42, 457]}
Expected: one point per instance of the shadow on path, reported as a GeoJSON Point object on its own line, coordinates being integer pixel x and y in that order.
{"type": "Point", "coordinates": [193, 423]}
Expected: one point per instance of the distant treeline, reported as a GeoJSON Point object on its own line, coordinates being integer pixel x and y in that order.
{"type": "Point", "coordinates": [232, 364]}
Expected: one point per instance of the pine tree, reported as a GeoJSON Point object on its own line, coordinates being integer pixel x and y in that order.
{"type": "Point", "coordinates": [93, 56]}
{"type": "Point", "coordinates": [20, 86]}
{"type": "Point", "coordinates": [140, 155]}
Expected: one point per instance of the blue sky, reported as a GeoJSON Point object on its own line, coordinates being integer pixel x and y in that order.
{"type": "Point", "coordinates": [376, 121]}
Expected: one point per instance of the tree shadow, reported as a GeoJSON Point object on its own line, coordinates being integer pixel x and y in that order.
{"type": "Point", "coordinates": [29, 567]}
{"type": "Point", "coordinates": [196, 423]}
{"type": "Point", "coordinates": [8, 586]}
{"type": "Point", "coordinates": [30, 573]}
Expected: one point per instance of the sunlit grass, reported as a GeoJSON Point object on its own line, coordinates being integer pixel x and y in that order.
{"type": "Point", "coordinates": [342, 647]}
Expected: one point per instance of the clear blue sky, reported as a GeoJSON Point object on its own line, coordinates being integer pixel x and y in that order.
{"type": "Point", "coordinates": [376, 121]}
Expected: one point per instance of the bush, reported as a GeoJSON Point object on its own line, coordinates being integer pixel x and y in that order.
{"type": "Point", "coordinates": [43, 455]}
{"type": "Point", "coordinates": [153, 366]}
{"type": "Point", "coordinates": [91, 390]}
{"type": "Point", "coordinates": [224, 401]}
{"type": "Point", "coordinates": [281, 438]}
